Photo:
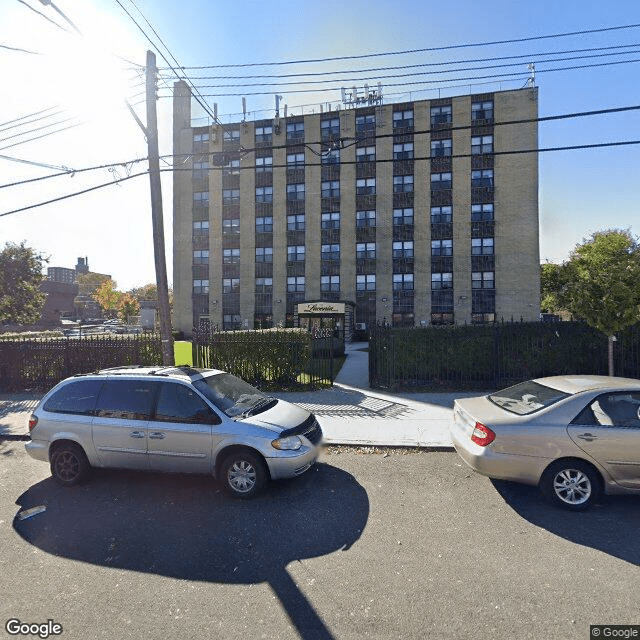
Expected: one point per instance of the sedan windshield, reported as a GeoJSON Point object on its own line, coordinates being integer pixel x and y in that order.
{"type": "Point", "coordinates": [527, 397]}
{"type": "Point", "coordinates": [230, 394]}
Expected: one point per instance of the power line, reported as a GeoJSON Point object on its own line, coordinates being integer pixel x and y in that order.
{"type": "Point", "coordinates": [47, 18]}
{"type": "Point", "coordinates": [19, 50]}
{"type": "Point", "coordinates": [29, 115]}
{"type": "Point", "coordinates": [45, 126]}
{"type": "Point", "coordinates": [427, 49]}
{"type": "Point", "coordinates": [65, 170]}
{"type": "Point", "coordinates": [15, 144]}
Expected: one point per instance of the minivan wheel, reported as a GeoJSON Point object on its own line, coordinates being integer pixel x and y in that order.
{"type": "Point", "coordinates": [243, 474]}
{"type": "Point", "coordinates": [571, 484]}
{"type": "Point", "coordinates": [69, 464]}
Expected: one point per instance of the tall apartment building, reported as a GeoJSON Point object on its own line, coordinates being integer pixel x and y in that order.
{"type": "Point", "coordinates": [405, 213]}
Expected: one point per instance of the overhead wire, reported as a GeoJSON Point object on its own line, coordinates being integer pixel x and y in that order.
{"type": "Point", "coordinates": [50, 133]}
{"type": "Point", "coordinates": [29, 115]}
{"type": "Point", "coordinates": [47, 18]}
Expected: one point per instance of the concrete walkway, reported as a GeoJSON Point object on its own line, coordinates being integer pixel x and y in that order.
{"type": "Point", "coordinates": [350, 412]}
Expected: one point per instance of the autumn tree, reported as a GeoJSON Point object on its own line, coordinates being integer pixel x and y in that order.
{"type": "Point", "coordinates": [21, 301]}
{"type": "Point", "coordinates": [107, 297]}
{"type": "Point", "coordinates": [600, 283]}
{"type": "Point", "coordinates": [128, 306]}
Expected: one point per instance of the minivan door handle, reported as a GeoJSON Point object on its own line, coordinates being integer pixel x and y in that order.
{"type": "Point", "coordinates": [157, 435]}
{"type": "Point", "coordinates": [137, 434]}
{"type": "Point", "coordinates": [587, 436]}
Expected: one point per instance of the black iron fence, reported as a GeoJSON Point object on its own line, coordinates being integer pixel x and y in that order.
{"type": "Point", "coordinates": [41, 363]}
{"type": "Point", "coordinates": [270, 359]}
{"type": "Point", "coordinates": [494, 356]}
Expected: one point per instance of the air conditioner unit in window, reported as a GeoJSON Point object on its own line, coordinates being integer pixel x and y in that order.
{"type": "Point", "coordinates": [361, 326]}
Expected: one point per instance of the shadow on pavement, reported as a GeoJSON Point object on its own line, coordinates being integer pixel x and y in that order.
{"type": "Point", "coordinates": [610, 526]}
{"type": "Point", "coordinates": [184, 527]}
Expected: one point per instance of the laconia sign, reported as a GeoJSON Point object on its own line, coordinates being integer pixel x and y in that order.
{"type": "Point", "coordinates": [321, 308]}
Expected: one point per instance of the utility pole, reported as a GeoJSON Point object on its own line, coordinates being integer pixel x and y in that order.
{"type": "Point", "coordinates": [151, 132]}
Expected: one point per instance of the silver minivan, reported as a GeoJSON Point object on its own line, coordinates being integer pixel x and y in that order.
{"type": "Point", "coordinates": [175, 419]}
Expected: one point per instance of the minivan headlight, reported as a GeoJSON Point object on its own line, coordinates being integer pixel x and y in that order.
{"type": "Point", "coordinates": [290, 443]}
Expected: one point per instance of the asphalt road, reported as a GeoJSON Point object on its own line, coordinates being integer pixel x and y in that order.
{"type": "Point", "coordinates": [367, 545]}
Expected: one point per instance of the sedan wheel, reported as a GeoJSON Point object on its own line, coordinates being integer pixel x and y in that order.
{"type": "Point", "coordinates": [243, 474]}
{"type": "Point", "coordinates": [571, 484]}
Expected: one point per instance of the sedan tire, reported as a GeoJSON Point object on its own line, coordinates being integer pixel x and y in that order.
{"type": "Point", "coordinates": [69, 464]}
{"type": "Point", "coordinates": [571, 484]}
{"type": "Point", "coordinates": [243, 474]}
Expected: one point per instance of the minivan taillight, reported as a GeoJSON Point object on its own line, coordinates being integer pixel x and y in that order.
{"type": "Point", "coordinates": [482, 435]}
{"type": "Point", "coordinates": [33, 421]}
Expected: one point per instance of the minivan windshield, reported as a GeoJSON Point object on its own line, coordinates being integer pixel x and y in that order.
{"type": "Point", "coordinates": [230, 394]}
{"type": "Point", "coordinates": [527, 397]}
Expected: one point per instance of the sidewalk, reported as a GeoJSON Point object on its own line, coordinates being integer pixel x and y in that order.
{"type": "Point", "coordinates": [349, 413]}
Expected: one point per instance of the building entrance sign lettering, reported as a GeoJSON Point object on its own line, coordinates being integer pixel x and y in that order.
{"type": "Point", "coordinates": [321, 308]}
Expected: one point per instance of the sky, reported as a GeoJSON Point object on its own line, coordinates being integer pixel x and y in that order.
{"type": "Point", "coordinates": [62, 101]}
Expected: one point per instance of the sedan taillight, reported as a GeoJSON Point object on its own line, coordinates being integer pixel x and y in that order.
{"type": "Point", "coordinates": [482, 435]}
{"type": "Point", "coordinates": [33, 421]}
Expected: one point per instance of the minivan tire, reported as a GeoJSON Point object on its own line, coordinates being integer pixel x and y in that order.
{"type": "Point", "coordinates": [243, 474]}
{"type": "Point", "coordinates": [69, 464]}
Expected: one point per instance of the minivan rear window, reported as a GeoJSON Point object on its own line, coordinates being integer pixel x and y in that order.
{"type": "Point", "coordinates": [77, 397]}
{"type": "Point", "coordinates": [527, 397]}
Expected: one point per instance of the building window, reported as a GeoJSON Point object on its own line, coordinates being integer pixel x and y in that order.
{"type": "Point", "coordinates": [366, 218]}
{"type": "Point", "coordinates": [231, 256]}
{"type": "Point", "coordinates": [264, 224]}
{"type": "Point", "coordinates": [403, 119]}
{"type": "Point", "coordinates": [295, 222]}
{"type": "Point", "coordinates": [264, 134]}
{"type": "Point", "coordinates": [230, 285]}
{"type": "Point", "coordinates": [440, 148]}
{"type": "Point", "coordinates": [264, 285]}
{"type": "Point", "coordinates": [366, 154]}
{"type": "Point", "coordinates": [231, 225]}
{"type": "Point", "coordinates": [232, 168]}
{"type": "Point", "coordinates": [295, 191]}
{"type": "Point", "coordinates": [331, 157]}
{"type": "Point", "coordinates": [366, 282]}
{"type": "Point", "coordinates": [330, 283]}
{"type": "Point", "coordinates": [482, 110]}
{"type": "Point", "coordinates": [366, 186]}
{"type": "Point", "coordinates": [441, 281]}
{"type": "Point", "coordinates": [403, 281]}
{"type": "Point", "coordinates": [200, 286]}
{"type": "Point", "coordinates": [442, 318]}
{"type": "Point", "coordinates": [402, 184]}
{"type": "Point", "coordinates": [330, 252]}
{"type": "Point", "coordinates": [482, 212]}
{"type": "Point", "coordinates": [441, 214]}
{"type": "Point", "coordinates": [441, 248]}
{"type": "Point", "coordinates": [264, 254]}
{"type": "Point", "coordinates": [330, 220]}
{"type": "Point", "coordinates": [231, 135]}
{"type": "Point", "coordinates": [483, 280]}
{"type": "Point", "coordinates": [366, 250]}
{"type": "Point", "coordinates": [295, 253]}
{"type": "Point", "coordinates": [403, 151]}
{"type": "Point", "coordinates": [201, 228]}
{"type": "Point", "coordinates": [264, 194]}
{"type": "Point", "coordinates": [295, 160]}
{"type": "Point", "coordinates": [482, 246]}
{"type": "Point", "coordinates": [331, 189]}
{"type": "Point", "coordinates": [329, 128]}
{"type": "Point", "coordinates": [403, 217]}
{"type": "Point", "coordinates": [264, 164]}
{"type": "Point", "coordinates": [230, 195]}
{"type": "Point", "coordinates": [441, 115]}
{"type": "Point", "coordinates": [403, 249]}
{"type": "Point", "coordinates": [200, 137]}
{"type": "Point", "coordinates": [441, 180]}
{"type": "Point", "coordinates": [481, 144]}
{"type": "Point", "coordinates": [295, 284]}
{"type": "Point", "coordinates": [365, 124]}
{"type": "Point", "coordinates": [201, 198]}
{"type": "Point", "coordinates": [200, 171]}
{"type": "Point", "coordinates": [482, 178]}
{"type": "Point", "coordinates": [295, 131]}
{"type": "Point", "coordinates": [201, 257]}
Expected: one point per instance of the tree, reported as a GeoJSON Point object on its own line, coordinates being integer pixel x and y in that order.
{"type": "Point", "coordinates": [21, 301]}
{"type": "Point", "coordinates": [128, 306]}
{"type": "Point", "coordinates": [107, 297]}
{"type": "Point", "coordinates": [551, 285]}
{"type": "Point", "coordinates": [600, 283]}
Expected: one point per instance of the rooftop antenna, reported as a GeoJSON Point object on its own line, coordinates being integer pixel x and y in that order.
{"type": "Point", "coordinates": [278, 98]}
{"type": "Point", "coordinates": [531, 82]}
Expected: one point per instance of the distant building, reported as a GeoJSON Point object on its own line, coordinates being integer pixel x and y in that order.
{"type": "Point", "coordinates": [61, 274]}
{"type": "Point", "coordinates": [408, 212]}
{"type": "Point", "coordinates": [60, 302]}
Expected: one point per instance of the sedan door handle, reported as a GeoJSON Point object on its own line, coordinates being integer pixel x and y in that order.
{"type": "Point", "coordinates": [588, 437]}
{"type": "Point", "coordinates": [137, 434]}
{"type": "Point", "coordinates": [157, 435]}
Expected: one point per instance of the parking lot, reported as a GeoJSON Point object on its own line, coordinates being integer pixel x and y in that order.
{"type": "Point", "coordinates": [371, 544]}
